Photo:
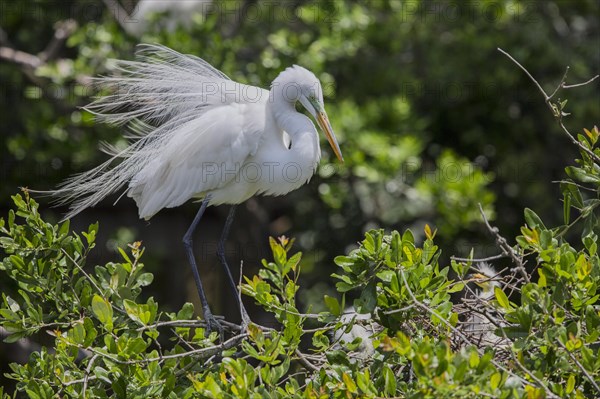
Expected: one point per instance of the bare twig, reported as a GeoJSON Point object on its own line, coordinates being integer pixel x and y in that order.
{"type": "Point", "coordinates": [22, 58]}
{"type": "Point", "coordinates": [30, 62]}
{"type": "Point", "coordinates": [587, 82]}
{"type": "Point", "coordinates": [557, 113]}
{"type": "Point", "coordinates": [574, 184]}
{"type": "Point", "coordinates": [506, 249]}
{"type": "Point", "coordinates": [88, 370]}
{"type": "Point", "coordinates": [463, 337]}
{"type": "Point", "coordinates": [307, 365]}
{"type": "Point", "coordinates": [90, 279]}
{"type": "Point", "coordinates": [404, 309]}
{"type": "Point", "coordinates": [189, 323]}
{"type": "Point", "coordinates": [63, 29]}
{"type": "Point", "coordinates": [201, 353]}
{"type": "Point", "coordinates": [583, 370]}
{"type": "Point", "coordinates": [560, 85]}
{"type": "Point", "coordinates": [490, 258]}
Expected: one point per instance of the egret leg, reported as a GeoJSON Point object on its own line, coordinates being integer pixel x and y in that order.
{"type": "Point", "coordinates": [211, 321]}
{"type": "Point", "coordinates": [221, 256]}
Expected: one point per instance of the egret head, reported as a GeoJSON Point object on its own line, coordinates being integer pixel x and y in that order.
{"type": "Point", "coordinates": [299, 84]}
{"type": "Point", "coordinates": [486, 278]}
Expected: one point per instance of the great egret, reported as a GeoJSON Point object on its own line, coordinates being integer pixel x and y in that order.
{"type": "Point", "coordinates": [197, 134]}
{"type": "Point", "coordinates": [363, 327]}
{"type": "Point", "coordinates": [481, 327]}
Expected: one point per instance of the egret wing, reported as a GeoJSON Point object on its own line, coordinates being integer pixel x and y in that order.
{"type": "Point", "coordinates": [158, 96]}
{"type": "Point", "coordinates": [203, 156]}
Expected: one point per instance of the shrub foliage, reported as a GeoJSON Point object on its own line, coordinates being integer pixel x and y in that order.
{"type": "Point", "coordinates": [102, 338]}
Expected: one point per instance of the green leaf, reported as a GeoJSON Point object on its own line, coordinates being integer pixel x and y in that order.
{"type": "Point", "coordinates": [145, 279]}
{"type": "Point", "coordinates": [186, 312]}
{"type": "Point", "coordinates": [17, 262]}
{"type": "Point", "coordinates": [368, 299]}
{"type": "Point", "coordinates": [279, 254]}
{"type": "Point", "coordinates": [333, 305]}
{"type": "Point", "coordinates": [349, 383]}
{"type": "Point", "coordinates": [456, 287]}
{"type": "Point", "coordinates": [90, 331]}
{"type": "Point", "coordinates": [119, 386]}
{"type": "Point", "coordinates": [502, 298]}
{"type": "Point", "coordinates": [396, 248]}
{"type": "Point", "coordinates": [136, 346]}
{"type": "Point", "coordinates": [533, 220]}
{"type": "Point", "coordinates": [570, 384]}
{"type": "Point", "coordinates": [567, 208]}
{"type": "Point", "coordinates": [293, 262]}
{"type": "Point", "coordinates": [572, 191]}
{"type": "Point", "coordinates": [408, 237]}
{"type": "Point", "coordinates": [581, 175]}
{"type": "Point", "coordinates": [389, 381]}
{"type": "Point", "coordinates": [14, 337]}
{"type": "Point", "coordinates": [103, 311]}
{"type": "Point", "coordinates": [78, 333]}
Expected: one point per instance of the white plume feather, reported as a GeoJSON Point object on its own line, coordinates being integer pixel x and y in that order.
{"type": "Point", "coordinates": [156, 96]}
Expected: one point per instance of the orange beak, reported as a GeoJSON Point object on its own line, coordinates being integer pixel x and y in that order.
{"type": "Point", "coordinates": [325, 126]}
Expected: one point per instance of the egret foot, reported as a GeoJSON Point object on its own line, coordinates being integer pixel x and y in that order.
{"type": "Point", "coordinates": [212, 324]}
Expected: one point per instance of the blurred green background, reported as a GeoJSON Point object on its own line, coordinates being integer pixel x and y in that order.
{"type": "Point", "coordinates": [431, 119]}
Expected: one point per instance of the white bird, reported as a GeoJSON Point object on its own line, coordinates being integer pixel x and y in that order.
{"type": "Point", "coordinates": [480, 326]}
{"type": "Point", "coordinates": [363, 327]}
{"type": "Point", "coordinates": [196, 134]}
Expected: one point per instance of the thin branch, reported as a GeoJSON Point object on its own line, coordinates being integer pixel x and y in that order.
{"type": "Point", "coordinates": [91, 280]}
{"type": "Point", "coordinates": [546, 98]}
{"type": "Point", "coordinates": [63, 29]}
{"type": "Point", "coordinates": [581, 146]}
{"type": "Point", "coordinates": [189, 323]}
{"type": "Point", "coordinates": [561, 84]}
{"type": "Point", "coordinates": [574, 184]}
{"type": "Point", "coordinates": [88, 370]}
{"type": "Point", "coordinates": [581, 84]}
{"type": "Point", "coordinates": [503, 244]}
{"type": "Point", "coordinates": [307, 365]}
{"type": "Point", "coordinates": [557, 112]}
{"type": "Point", "coordinates": [463, 337]}
{"type": "Point", "coordinates": [201, 353]}
{"type": "Point", "coordinates": [239, 290]}
{"type": "Point", "coordinates": [401, 310]}
{"type": "Point", "coordinates": [22, 58]}
{"type": "Point", "coordinates": [30, 62]}
{"type": "Point", "coordinates": [79, 381]}
{"type": "Point", "coordinates": [585, 372]}
{"type": "Point", "coordinates": [490, 258]}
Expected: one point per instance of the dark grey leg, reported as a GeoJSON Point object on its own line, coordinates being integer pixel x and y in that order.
{"type": "Point", "coordinates": [221, 256]}
{"type": "Point", "coordinates": [211, 321]}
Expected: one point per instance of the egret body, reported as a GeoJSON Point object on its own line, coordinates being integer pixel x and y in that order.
{"type": "Point", "coordinates": [195, 134]}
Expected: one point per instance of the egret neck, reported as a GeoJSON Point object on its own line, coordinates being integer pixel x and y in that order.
{"type": "Point", "coordinates": [302, 141]}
